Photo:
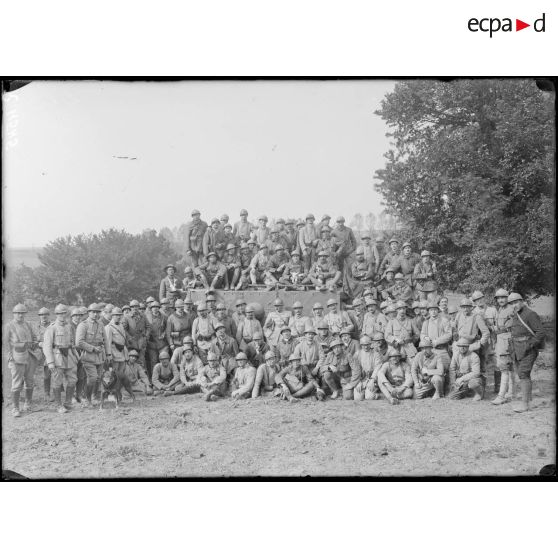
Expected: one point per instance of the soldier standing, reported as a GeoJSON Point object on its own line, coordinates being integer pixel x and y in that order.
{"type": "Point", "coordinates": [391, 259]}
{"type": "Point", "coordinates": [322, 224]}
{"type": "Point", "coordinates": [425, 270]}
{"type": "Point", "coordinates": [231, 261]}
{"type": "Point", "coordinates": [116, 339]}
{"type": "Point", "coordinates": [502, 330]}
{"type": "Point", "coordinates": [170, 285]}
{"type": "Point", "coordinates": [92, 341]}
{"type": "Point", "coordinates": [44, 322]}
{"type": "Point", "coordinates": [527, 337]}
{"type": "Point", "coordinates": [407, 263]}
{"type": "Point", "coordinates": [61, 358]}
{"type": "Point", "coordinates": [346, 242]}
{"type": "Point", "coordinates": [214, 239]}
{"type": "Point", "coordinates": [247, 327]}
{"type": "Point", "coordinates": [307, 241]}
{"type": "Point", "coordinates": [157, 340]}
{"type": "Point", "coordinates": [371, 255]}
{"type": "Point", "coordinates": [275, 320]}
{"type": "Point", "coordinates": [242, 228]}
{"type": "Point", "coordinates": [487, 355]}
{"type": "Point", "coordinates": [261, 234]}
{"type": "Point", "coordinates": [291, 234]}
{"type": "Point", "coordinates": [21, 340]}
{"type": "Point", "coordinates": [195, 231]}
{"type": "Point", "coordinates": [438, 331]}
{"type": "Point", "coordinates": [297, 322]}
{"type": "Point", "coordinates": [336, 319]}
{"type": "Point", "coordinates": [137, 331]}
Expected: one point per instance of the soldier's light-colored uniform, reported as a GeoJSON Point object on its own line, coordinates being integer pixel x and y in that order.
{"type": "Point", "coordinates": [264, 383]}
{"type": "Point", "coordinates": [467, 367]}
{"type": "Point", "coordinates": [392, 376]}
{"type": "Point", "coordinates": [427, 372]}
{"type": "Point", "coordinates": [213, 381]}
{"type": "Point", "coordinates": [374, 322]}
{"type": "Point", "coordinates": [20, 339]}
{"type": "Point", "coordinates": [90, 335]}
{"type": "Point", "coordinates": [246, 329]}
{"type": "Point", "coordinates": [402, 334]}
{"type": "Point", "coordinates": [165, 377]}
{"type": "Point", "coordinates": [439, 331]}
{"type": "Point", "coordinates": [244, 378]}
{"type": "Point", "coordinates": [274, 322]}
{"type": "Point", "coordinates": [178, 327]}
{"type": "Point", "coordinates": [137, 377]}
{"type": "Point", "coordinates": [189, 370]}
{"type": "Point", "coordinates": [337, 372]}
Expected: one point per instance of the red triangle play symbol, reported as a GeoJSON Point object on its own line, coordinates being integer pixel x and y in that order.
{"type": "Point", "coordinates": [519, 25]}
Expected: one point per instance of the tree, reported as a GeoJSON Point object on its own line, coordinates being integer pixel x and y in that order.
{"type": "Point", "coordinates": [471, 176]}
{"type": "Point", "coordinates": [113, 265]}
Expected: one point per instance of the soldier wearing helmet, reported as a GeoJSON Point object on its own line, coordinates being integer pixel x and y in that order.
{"type": "Point", "coordinates": [387, 282]}
{"type": "Point", "coordinates": [92, 341]}
{"type": "Point", "coordinates": [345, 241]}
{"type": "Point", "coordinates": [189, 365]}
{"type": "Point", "coordinates": [407, 261]}
{"type": "Point", "coordinates": [324, 335]}
{"type": "Point", "coordinates": [37, 352]}
{"type": "Point", "coordinates": [465, 372]}
{"type": "Point", "coordinates": [291, 235]}
{"type": "Point", "coordinates": [439, 331]}
{"type": "Point", "coordinates": [136, 327]}
{"type": "Point", "coordinates": [247, 327]}
{"type": "Point", "coordinates": [61, 357]}
{"type": "Point", "coordinates": [394, 378]}
{"type": "Point", "coordinates": [401, 290]}
{"type": "Point", "coordinates": [256, 349]}
{"type": "Point", "coordinates": [260, 266]}
{"type": "Point", "coordinates": [278, 261]}
{"type": "Point", "coordinates": [243, 228]}
{"type": "Point", "coordinates": [338, 370]}
{"type": "Point", "coordinates": [294, 273]}
{"type": "Point", "coordinates": [371, 255]}
{"type": "Point", "coordinates": [322, 224]}
{"type": "Point", "coordinates": [212, 273]}
{"type": "Point", "coordinates": [307, 241]}
{"type": "Point", "coordinates": [356, 315]}
{"type": "Point", "coordinates": [203, 331]}
{"type": "Point", "coordinates": [213, 377]}
{"type": "Point", "coordinates": [317, 314]}
{"type": "Point", "coordinates": [274, 240]}
{"type": "Point", "coordinates": [527, 338]}
{"type": "Point", "coordinates": [425, 270]}
{"type": "Point", "coordinates": [308, 348]}
{"type": "Point", "coordinates": [179, 324]}
{"type": "Point", "coordinates": [190, 281]}
{"type": "Point", "coordinates": [225, 346]}
{"type": "Point", "coordinates": [275, 320]}
{"type": "Point", "coordinates": [244, 377]}
{"type": "Point", "coordinates": [402, 333]}
{"type": "Point", "coordinates": [284, 347]}
{"type": "Point", "coordinates": [361, 273]}
{"type": "Point", "coordinates": [297, 322]}
{"type": "Point", "coordinates": [170, 285]}
{"type": "Point", "coordinates": [296, 381]}
{"type": "Point", "coordinates": [502, 332]}
{"type": "Point", "coordinates": [326, 243]}
{"type": "Point", "coordinates": [427, 370]}
{"type": "Point", "coordinates": [106, 314]}
{"type": "Point", "coordinates": [157, 339]}
{"type": "Point", "coordinates": [21, 340]}
{"type": "Point", "coordinates": [261, 233]}
{"type": "Point", "coordinates": [337, 320]}
{"type": "Point", "coordinates": [136, 375]}
{"type": "Point", "coordinates": [165, 375]}
{"type": "Point", "coordinates": [324, 275]}
{"type": "Point", "coordinates": [194, 233]}
{"type": "Point", "coordinates": [264, 384]}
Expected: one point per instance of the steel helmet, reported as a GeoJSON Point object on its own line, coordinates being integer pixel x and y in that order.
{"type": "Point", "coordinates": [463, 342]}
{"type": "Point", "coordinates": [212, 357]}
{"type": "Point", "coordinates": [43, 312]}
{"type": "Point", "coordinates": [269, 355]}
{"type": "Point", "coordinates": [501, 292]}
{"type": "Point", "coordinates": [466, 302]}
{"type": "Point", "coordinates": [241, 356]}
{"type": "Point", "coordinates": [335, 342]}
{"type": "Point", "coordinates": [231, 247]}
{"type": "Point", "coordinates": [393, 352]}
{"type": "Point", "coordinates": [219, 325]}
{"type": "Point", "coordinates": [514, 297]}
{"type": "Point", "coordinates": [476, 295]}
{"type": "Point", "coordinates": [331, 302]}
{"type": "Point", "coordinates": [318, 306]}
{"type": "Point", "coordinates": [322, 325]}
{"type": "Point", "coordinates": [365, 340]}
{"type": "Point", "coordinates": [163, 355]}
{"type": "Point", "coordinates": [19, 309]}
{"type": "Point", "coordinates": [399, 276]}
{"type": "Point", "coordinates": [309, 329]}
{"type": "Point", "coordinates": [116, 311]}
{"type": "Point", "coordinates": [378, 336]}
{"type": "Point", "coordinates": [76, 312]}
{"type": "Point", "coordinates": [425, 253]}
{"type": "Point", "coordinates": [297, 304]}
{"type": "Point", "coordinates": [61, 309]}
{"type": "Point", "coordinates": [277, 302]}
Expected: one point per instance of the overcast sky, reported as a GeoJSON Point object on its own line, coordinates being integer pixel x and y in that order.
{"type": "Point", "coordinates": [279, 148]}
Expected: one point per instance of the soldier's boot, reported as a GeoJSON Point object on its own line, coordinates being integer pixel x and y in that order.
{"type": "Point", "coordinates": [28, 404]}
{"type": "Point", "coordinates": [501, 397]}
{"type": "Point", "coordinates": [69, 394]}
{"type": "Point", "coordinates": [46, 390]}
{"type": "Point", "coordinates": [525, 385]}
{"type": "Point", "coordinates": [511, 386]}
{"type": "Point", "coordinates": [58, 399]}
{"type": "Point", "coordinates": [15, 401]}
{"type": "Point", "coordinates": [497, 381]}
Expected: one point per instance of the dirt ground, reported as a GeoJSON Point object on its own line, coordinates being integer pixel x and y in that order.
{"type": "Point", "coordinates": [183, 436]}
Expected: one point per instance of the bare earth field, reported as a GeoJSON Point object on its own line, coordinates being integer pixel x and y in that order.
{"type": "Point", "coordinates": [183, 436]}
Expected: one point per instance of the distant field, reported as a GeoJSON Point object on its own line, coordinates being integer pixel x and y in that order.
{"type": "Point", "coordinates": [27, 256]}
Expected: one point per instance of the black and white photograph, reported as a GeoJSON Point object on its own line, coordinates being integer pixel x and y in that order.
{"type": "Point", "coordinates": [302, 278]}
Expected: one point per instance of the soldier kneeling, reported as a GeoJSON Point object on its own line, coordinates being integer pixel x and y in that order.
{"type": "Point", "coordinates": [394, 378]}
{"type": "Point", "coordinates": [465, 373]}
{"type": "Point", "coordinates": [427, 370]}
{"type": "Point", "coordinates": [296, 381]}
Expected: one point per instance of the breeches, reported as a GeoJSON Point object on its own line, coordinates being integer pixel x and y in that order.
{"type": "Point", "coordinates": [427, 388]}
{"type": "Point", "coordinates": [219, 390]}
{"type": "Point", "coordinates": [22, 374]}
{"type": "Point", "coordinates": [463, 391]}
{"type": "Point", "coordinates": [504, 363]}
{"type": "Point", "coordinates": [366, 389]}
{"type": "Point", "coordinates": [93, 372]}
{"type": "Point", "coordinates": [336, 381]}
{"type": "Point", "coordinates": [189, 387]}
{"type": "Point", "coordinates": [61, 374]}
{"type": "Point", "coordinates": [524, 366]}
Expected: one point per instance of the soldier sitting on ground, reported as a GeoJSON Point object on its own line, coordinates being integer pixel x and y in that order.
{"type": "Point", "coordinates": [395, 379]}
{"type": "Point", "coordinates": [136, 374]}
{"type": "Point", "coordinates": [165, 375]}
{"type": "Point", "coordinates": [427, 370]}
{"type": "Point", "coordinates": [294, 273]}
{"type": "Point", "coordinates": [296, 381]}
{"type": "Point", "coordinates": [213, 378]}
{"type": "Point", "coordinates": [264, 384]}
{"type": "Point", "coordinates": [244, 377]}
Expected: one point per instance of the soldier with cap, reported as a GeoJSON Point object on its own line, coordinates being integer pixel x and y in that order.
{"type": "Point", "coordinates": [401, 332]}
{"type": "Point", "coordinates": [242, 228]}
{"type": "Point", "coordinates": [427, 370]}
{"type": "Point", "coordinates": [425, 270]}
{"type": "Point", "coordinates": [136, 374]}
{"type": "Point", "coordinates": [137, 331]}
{"type": "Point", "coordinates": [502, 331]}
{"type": "Point", "coordinates": [116, 339]}
{"type": "Point", "coordinates": [92, 341]}
{"type": "Point", "coordinates": [465, 372]}
{"type": "Point", "coordinates": [214, 239]}
{"type": "Point", "coordinates": [106, 315]}
{"type": "Point", "coordinates": [261, 233]}
{"type": "Point", "coordinates": [21, 340]}
{"type": "Point", "coordinates": [395, 379]}
{"type": "Point", "coordinates": [324, 275]}
{"type": "Point", "coordinates": [527, 337]}
{"type": "Point", "coordinates": [157, 340]}
{"type": "Point", "coordinates": [256, 349]}
{"type": "Point", "coordinates": [264, 384]}
{"type": "Point", "coordinates": [179, 324]}
{"type": "Point", "coordinates": [61, 358]}
{"type": "Point", "coordinates": [244, 377]}
{"type": "Point", "coordinates": [371, 255]}
{"type": "Point", "coordinates": [294, 273]}
{"type": "Point", "coordinates": [336, 319]}
{"type": "Point", "coordinates": [297, 322]}
{"type": "Point", "coordinates": [308, 348]}
{"type": "Point", "coordinates": [337, 369]}
{"type": "Point", "coordinates": [212, 273]}
{"type": "Point", "coordinates": [374, 321]}
{"type": "Point", "coordinates": [165, 375]}
{"type": "Point", "coordinates": [438, 331]}
{"type": "Point", "coordinates": [247, 327]}
{"type": "Point", "coordinates": [307, 241]}
{"type": "Point", "coordinates": [170, 285]}
{"type": "Point", "coordinates": [345, 240]}
{"type": "Point", "coordinates": [225, 347]}
{"type": "Point", "coordinates": [407, 262]}
{"type": "Point", "coordinates": [194, 233]}
{"type": "Point", "coordinates": [231, 261]}
{"type": "Point", "coordinates": [40, 328]}
{"type": "Point", "coordinates": [203, 332]}
{"type": "Point", "coordinates": [213, 378]}
{"type": "Point", "coordinates": [284, 347]}
{"type": "Point", "coordinates": [391, 259]}
{"type": "Point", "coordinates": [296, 381]}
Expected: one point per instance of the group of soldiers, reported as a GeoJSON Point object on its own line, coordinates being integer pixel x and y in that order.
{"type": "Point", "coordinates": [295, 255]}
{"type": "Point", "coordinates": [393, 349]}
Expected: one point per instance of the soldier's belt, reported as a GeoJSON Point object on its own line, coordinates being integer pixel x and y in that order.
{"type": "Point", "coordinates": [63, 350]}
{"type": "Point", "coordinates": [521, 338]}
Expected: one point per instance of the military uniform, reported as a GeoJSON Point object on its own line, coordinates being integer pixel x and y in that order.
{"type": "Point", "coordinates": [244, 379]}
{"type": "Point", "coordinates": [178, 327]}
{"type": "Point", "coordinates": [226, 349]}
{"type": "Point", "coordinates": [374, 322]}
{"type": "Point", "coordinates": [246, 329]}
{"type": "Point", "coordinates": [214, 241]}
{"type": "Point", "coordinates": [189, 375]}
{"type": "Point", "coordinates": [366, 385]}
{"type": "Point", "coordinates": [264, 384]}
{"type": "Point", "coordinates": [137, 332]}
{"type": "Point", "coordinates": [212, 275]}
{"type": "Point", "coordinates": [116, 339]}
{"type": "Point", "coordinates": [203, 333]}
{"type": "Point", "coordinates": [439, 331]}
{"type": "Point", "coordinates": [337, 372]}
{"type": "Point", "coordinates": [298, 325]}
{"type": "Point", "coordinates": [296, 381]}
{"type": "Point", "coordinates": [157, 340]}
{"type": "Point", "coordinates": [346, 244]}
{"type": "Point", "coordinates": [294, 274]}
{"type": "Point", "coordinates": [391, 259]}
{"type": "Point", "coordinates": [428, 374]}
{"type": "Point", "coordinates": [467, 368]}
{"type": "Point", "coordinates": [402, 334]}
{"type": "Point", "coordinates": [307, 241]}
{"type": "Point", "coordinates": [309, 353]}
{"type": "Point", "coordinates": [256, 353]}
{"type": "Point", "coordinates": [407, 265]}
{"type": "Point", "coordinates": [170, 288]}
{"type": "Point", "coordinates": [283, 350]}
{"type": "Point", "coordinates": [194, 233]}
{"type": "Point", "coordinates": [21, 340]}
{"type": "Point", "coordinates": [137, 377]}
{"type": "Point", "coordinates": [213, 381]}
{"type": "Point", "coordinates": [424, 271]}
{"type": "Point", "coordinates": [274, 322]}
{"type": "Point", "coordinates": [165, 376]}
{"type": "Point", "coordinates": [338, 320]}
{"type": "Point", "coordinates": [395, 380]}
